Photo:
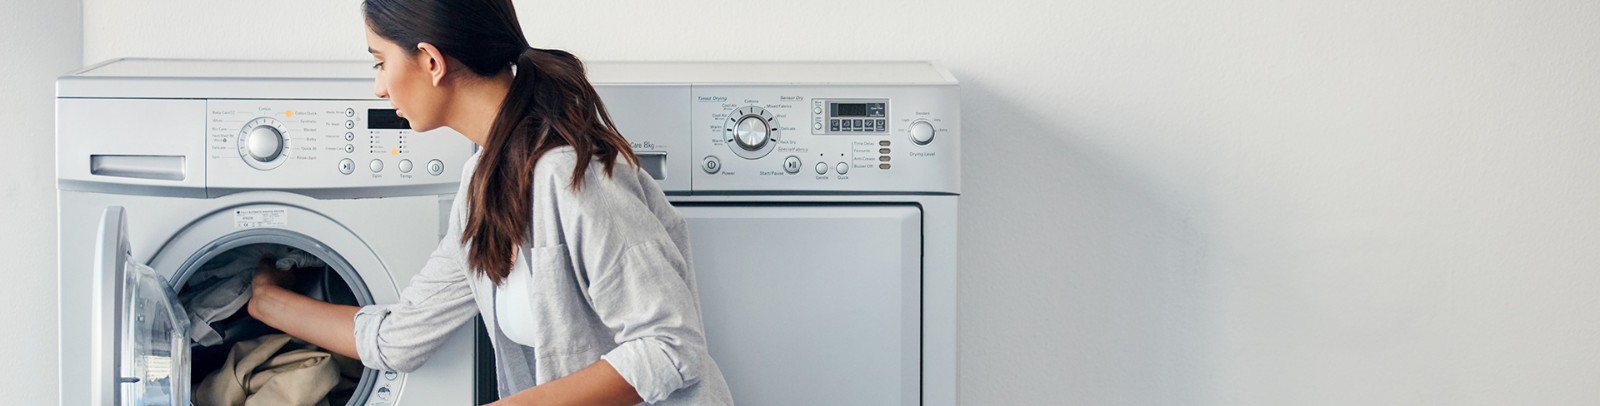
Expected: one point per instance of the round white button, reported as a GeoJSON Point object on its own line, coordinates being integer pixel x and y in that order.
{"type": "Point", "coordinates": [376, 165]}
{"type": "Point", "coordinates": [405, 166]}
{"type": "Point", "coordinates": [816, 126]}
{"type": "Point", "coordinates": [711, 164]}
{"type": "Point", "coordinates": [348, 148]}
{"type": "Point", "coordinates": [349, 112]}
{"type": "Point", "coordinates": [822, 168]}
{"type": "Point", "coordinates": [349, 136]}
{"type": "Point", "coordinates": [842, 167]}
{"type": "Point", "coordinates": [349, 124]}
{"type": "Point", "coordinates": [347, 166]}
{"type": "Point", "coordinates": [791, 164]}
{"type": "Point", "coordinates": [922, 132]}
{"type": "Point", "coordinates": [435, 167]}
{"type": "Point", "coordinates": [265, 143]}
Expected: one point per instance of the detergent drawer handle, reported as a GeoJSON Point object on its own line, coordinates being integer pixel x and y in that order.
{"type": "Point", "coordinates": [156, 167]}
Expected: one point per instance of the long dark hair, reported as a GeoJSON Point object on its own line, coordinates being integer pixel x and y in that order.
{"type": "Point", "coordinates": [551, 104]}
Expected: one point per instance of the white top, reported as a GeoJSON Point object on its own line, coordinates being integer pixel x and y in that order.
{"type": "Point", "coordinates": [513, 305]}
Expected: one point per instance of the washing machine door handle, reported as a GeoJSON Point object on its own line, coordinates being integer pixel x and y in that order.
{"type": "Point", "coordinates": [140, 332]}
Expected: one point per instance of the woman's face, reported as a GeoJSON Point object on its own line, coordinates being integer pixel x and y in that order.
{"type": "Point", "coordinates": [403, 77]}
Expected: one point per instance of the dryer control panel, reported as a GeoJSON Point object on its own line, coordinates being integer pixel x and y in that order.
{"type": "Point", "coordinates": [825, 138]}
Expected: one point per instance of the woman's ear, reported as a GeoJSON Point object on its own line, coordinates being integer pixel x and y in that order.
{"type": "Point", "coordinates": [433, 61]}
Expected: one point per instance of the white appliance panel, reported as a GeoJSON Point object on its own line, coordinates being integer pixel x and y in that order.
{"type": "Point", "coordinates": [811, 305]}
{"type": "Point", "coordinates": [326, 149]}
{"type": "Point", "coordinates": [143, 146]}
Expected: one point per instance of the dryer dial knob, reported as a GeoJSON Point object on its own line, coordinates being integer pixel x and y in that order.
{"type": "Point", "coordinates": [751, 132]}
{"type": "Point", "coordinates": [921, 132]}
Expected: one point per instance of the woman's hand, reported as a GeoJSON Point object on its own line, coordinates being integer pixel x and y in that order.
{"type": "Point", "coordinates": [325, 325]}
{"type": "Point", "coordinates": [267, 280]}
{"type": "Point", "coordinates": [268, 275]}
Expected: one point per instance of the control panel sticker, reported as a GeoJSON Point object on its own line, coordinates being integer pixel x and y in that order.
{"type": "Point", "coordinates": [255, 218]}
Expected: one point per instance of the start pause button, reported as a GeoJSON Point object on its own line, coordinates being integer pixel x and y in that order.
{"type": "Point", "coordinates": [791, 164]}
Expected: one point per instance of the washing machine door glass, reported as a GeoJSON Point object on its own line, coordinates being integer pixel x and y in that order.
{"type": "Point", "coordinates": [141, 333]}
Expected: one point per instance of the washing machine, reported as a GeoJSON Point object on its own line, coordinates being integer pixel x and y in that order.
{"type": "Point", "coordinates": [821, 201]}
{"type": "Point", "coordinates": [165, 166]}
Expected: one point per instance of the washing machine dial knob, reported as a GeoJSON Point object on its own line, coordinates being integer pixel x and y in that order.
{"type": "Point", "coordinates": [264, 143]}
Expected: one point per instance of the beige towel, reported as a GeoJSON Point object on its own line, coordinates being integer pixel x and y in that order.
{"type": "Point", "coordinates": [271, 370]}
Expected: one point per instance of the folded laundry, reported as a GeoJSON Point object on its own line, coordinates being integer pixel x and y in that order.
{"type": "Point", "coordinates": [275, 370]}
{"type": "Point", "coordinates": [222, 285]}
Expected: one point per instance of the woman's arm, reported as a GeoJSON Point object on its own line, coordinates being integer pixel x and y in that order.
{"type": "Point", "coordinates": [323, 324]}
{"type": "Point", "coordinates": [639, 282]}
{"type": "Point", "coordinates": [597, 384]}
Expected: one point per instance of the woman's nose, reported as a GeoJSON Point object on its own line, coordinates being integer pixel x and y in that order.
{"type": "Point", "coordinates": [379, 90]}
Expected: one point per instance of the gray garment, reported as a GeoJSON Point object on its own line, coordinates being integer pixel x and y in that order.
{"type": "Point", "coordinates": [613, 279]}
{"type": "Point", "coordinates": [222, 285]}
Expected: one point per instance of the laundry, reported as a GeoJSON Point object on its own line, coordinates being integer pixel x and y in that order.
{"type": "Point", "coordinates": [222, 285]}
{"type": "Point", "coordinates": [278, 370]}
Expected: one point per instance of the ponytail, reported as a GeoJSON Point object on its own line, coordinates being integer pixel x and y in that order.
{"type": "Point", "coordinates": [551, 104]}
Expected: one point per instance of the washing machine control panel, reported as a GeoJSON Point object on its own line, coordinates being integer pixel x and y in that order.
{"type": "Point", "coordinates": [826, 138]}
{"type": "Point", "coordinates": [347, 148]}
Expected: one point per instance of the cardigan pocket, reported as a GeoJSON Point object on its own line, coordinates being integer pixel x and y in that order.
{"type": "Point", "coordinates": [558, 301]}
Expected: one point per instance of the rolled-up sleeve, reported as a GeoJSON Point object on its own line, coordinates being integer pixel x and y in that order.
{"type": "Point", "coordinates": [401, 336]}
{"type": "Point", "coordinates": [656, 320]}
{"type": "Point", "coordinates": [637, 286]}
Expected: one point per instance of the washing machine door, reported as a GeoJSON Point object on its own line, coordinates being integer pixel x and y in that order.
{"type": "Point", "coordinates": [141, 333]}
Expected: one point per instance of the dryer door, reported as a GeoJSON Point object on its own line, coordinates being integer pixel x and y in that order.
{"type": "Point", "coordinates": [812, 304]}
{"type": "Point", "coordinates": [140, 333]}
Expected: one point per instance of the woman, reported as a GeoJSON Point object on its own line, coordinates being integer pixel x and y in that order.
{"type": "Point", "coordinates": [571, 253]}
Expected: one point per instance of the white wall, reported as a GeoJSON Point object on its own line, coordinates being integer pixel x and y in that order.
{"type": "Point", "coordinates": [1218, 202]}
{"type": "Point", "coordinates": [42, 39]}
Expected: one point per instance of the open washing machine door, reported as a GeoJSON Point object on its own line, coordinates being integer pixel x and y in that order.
{"type": "Point", "coordinates": [140, 332]}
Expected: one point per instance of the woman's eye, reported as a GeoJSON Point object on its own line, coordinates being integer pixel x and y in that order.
{"type": "Point", "coordinates": [377, 65]}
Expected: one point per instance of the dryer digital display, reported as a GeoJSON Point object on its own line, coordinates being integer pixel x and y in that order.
{"type": "Point", "coordinates": [852, 116]}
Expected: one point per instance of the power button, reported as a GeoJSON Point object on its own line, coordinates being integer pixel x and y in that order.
{"type": "Point", "coordinates": [711, 164]}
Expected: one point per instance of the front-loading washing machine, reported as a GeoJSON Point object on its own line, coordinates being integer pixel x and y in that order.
{"type": "Point", "coordinates": [166, 167]}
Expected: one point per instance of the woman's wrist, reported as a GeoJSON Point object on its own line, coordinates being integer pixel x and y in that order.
{"type": "Point", "coordinates": [261, 299]}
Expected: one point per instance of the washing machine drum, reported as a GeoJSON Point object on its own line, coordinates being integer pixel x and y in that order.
{"type": "Point", "coordinates": [145, 337]}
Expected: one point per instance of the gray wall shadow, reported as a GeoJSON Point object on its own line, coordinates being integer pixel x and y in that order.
{"type": "Point", "coordinates": [1079, 278]}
